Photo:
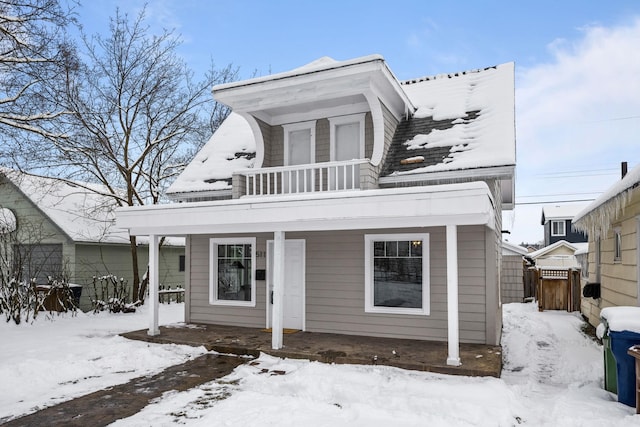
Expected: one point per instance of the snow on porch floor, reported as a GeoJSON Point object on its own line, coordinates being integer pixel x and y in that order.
{"type": "Point", "coordinates": [431, 356]}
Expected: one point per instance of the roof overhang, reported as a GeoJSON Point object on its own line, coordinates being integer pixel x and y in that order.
{"type": "Point", "coordinates": [505, 174]}
{"type": "Point", "coordinates": [293, 95]}
{"type": "Point", "coordinates": [452, 204]}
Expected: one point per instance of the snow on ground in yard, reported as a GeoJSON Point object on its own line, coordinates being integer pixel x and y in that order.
{"type": "Point", "coordinates": [57, 358]}
{"type": "Point", "coordinates": [552, 376]}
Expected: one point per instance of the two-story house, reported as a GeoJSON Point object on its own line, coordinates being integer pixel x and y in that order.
{"type": "Point", "coordinates": [338, 199]}
{"type": "Point", "coordinates": [557, 221]}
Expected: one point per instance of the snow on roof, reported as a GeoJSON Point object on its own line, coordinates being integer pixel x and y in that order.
{"type": "Point", "coordinates": [231, 147]}
{"type": "Point", "coordinates": [597, 217]}
{"type": "Point", "coordinates": [320, 64]}
{"type": "Point", "coordinates": [511, 249]}
{"type": "Point", "coordinates": [82, 214]}
{"type": "Point", "coordinates": [562, 211]}
{"type": "Point", "coordinates": [548, 249]}
{"type": "Point", "coordinates": [487, 140]}
{"type": "Point", "coordinates": [484, 141]}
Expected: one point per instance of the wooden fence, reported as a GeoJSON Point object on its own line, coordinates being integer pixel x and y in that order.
{"type": "Point", "coordinates": [553, 289]}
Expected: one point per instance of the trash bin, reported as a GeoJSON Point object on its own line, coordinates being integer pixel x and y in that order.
{"type": "Point", "coordinates": [625, 364]}
{"type": "Point", "coordinates": [610, 374]}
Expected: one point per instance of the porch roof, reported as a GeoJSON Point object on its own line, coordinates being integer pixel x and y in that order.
{"type": "Point", "coordinates": [437, 205]}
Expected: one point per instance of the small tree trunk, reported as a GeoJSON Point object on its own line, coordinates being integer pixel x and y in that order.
{"type": "Point", "coordinates": [136, 272]}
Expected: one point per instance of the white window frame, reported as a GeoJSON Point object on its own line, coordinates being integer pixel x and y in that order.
{"type": "Point", "coordinates": [369, 306]}
{"type": "Point", "coordinates": [213, 270]}
{"type": "Point", "coordinates": [292, 127]}
{"type": "Point", "coordinates": [343, 120]}
{"type": "Point", "coordinates": [617, 244]}
{"type": "Point", "coordinates": [564, 228]}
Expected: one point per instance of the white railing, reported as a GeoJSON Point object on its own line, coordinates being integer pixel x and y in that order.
{"type": "Point", "coordinates": [316, 177]}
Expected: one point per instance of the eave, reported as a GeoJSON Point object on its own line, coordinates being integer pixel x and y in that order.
{"type": "Point", "coordinates": [441, 205]}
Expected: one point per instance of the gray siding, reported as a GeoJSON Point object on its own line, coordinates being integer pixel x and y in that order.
{"type": "Point", "coordinates": [99, 260]}
{"type": "Point", "coordinates": [200, 309]}
{"type": "Point", "coordinates": [335, 287]}
{"type": "Point", "coordinates": [511, 281]}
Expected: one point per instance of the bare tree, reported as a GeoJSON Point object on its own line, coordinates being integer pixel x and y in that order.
{"type": "Point", "coordinates": [138, 115]}
{"type": "Point", "coordinates": [34, 51]}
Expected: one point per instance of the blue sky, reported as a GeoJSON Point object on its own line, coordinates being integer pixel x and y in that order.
{"type": "Point", "coordinates": [577, 68]}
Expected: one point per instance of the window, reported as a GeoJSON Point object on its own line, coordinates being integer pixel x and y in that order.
{"type": "Point", "coordinates": [558, 228]}
{"type": "Point", "coordinates": [181, 263]}
{"type": "Point", "coordinates": [232, 281]}
{"type": "Point", "coordinates": [617, 245]}
{"type": "Point", "coordinates": [299, 149]}
{"type": "Point", "coordinates": [346, 138]}
{"type": "Point", "coordinates": [397, 273]}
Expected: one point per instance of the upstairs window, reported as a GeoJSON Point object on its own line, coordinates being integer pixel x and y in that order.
{"type": "Point", "coordinates": [346, 138]}
{"type": "Point", "coordinates": [558, 228]}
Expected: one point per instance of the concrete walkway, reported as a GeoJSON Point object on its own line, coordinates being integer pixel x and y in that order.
{"type": "Point", "coordinates": [106, 406]}
{"type": "Point", "coordinates": [477, 359]}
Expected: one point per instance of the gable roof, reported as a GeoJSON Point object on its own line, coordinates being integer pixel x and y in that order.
{"type": "Point", "coordinates": [562, 211]}
{"type": "Point", "coordinates": [511, 249]}
{"type": "Point", "coordinates": [464, 121]}
{"type": "Point", "coordinates": [548, 250]}
{"type": "Point", "coordinates": [83, 215]}
{"type": "Point", "coordinates": [596, 218]}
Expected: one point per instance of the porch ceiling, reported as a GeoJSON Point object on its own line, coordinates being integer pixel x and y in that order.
{"type": "Point", "coordinates": [428, 206]}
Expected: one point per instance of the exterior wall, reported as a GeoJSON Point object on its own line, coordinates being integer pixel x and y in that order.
{"type": "Point", "coordinates": [274, 144]}
{"type": "Point", "coordinates": [619, 279]}
{"type": "Point", "coordinates": [511, 281]}
{"type": "Point", "coordinates": [571, 236]}
{"type": "Point", "coordinates": [200, 311]}
{"type": "Point", "coordinates": [267, 139]}
{"type": "Point", "coordinates": [335, 287]}
{"type": "Point", "coordinates": [99, 260]}
{"type": "Point", "coordinates": [33, 227]}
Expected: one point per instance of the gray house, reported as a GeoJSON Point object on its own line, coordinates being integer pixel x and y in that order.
{"type": "Point", "coordinates": [63, 230]}
{"type": "Point", "coordinates": [338, 199]}
{"type": "Point", "coordinates": [557, 221]}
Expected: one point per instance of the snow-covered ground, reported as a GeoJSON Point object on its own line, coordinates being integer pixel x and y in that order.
{"type": "Point", "coordinates": [552, 376]}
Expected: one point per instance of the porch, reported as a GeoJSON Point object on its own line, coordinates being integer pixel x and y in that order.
{"type": "Point", "coordinates": [430, 356]}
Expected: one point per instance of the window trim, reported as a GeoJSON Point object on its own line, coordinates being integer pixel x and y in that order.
{"type": "Point", "coordinates": [343, 120]}
{"type": "Point", "coordinates": [369, 306]}
{"type": "Point", "coordinates": [293, 127]}
{"type": "Point", "coordinates": [213, 270]}
{"type": "Point", "coordinates": [564, 228]}
{"type": "Point", "coordinates": [617, 245]}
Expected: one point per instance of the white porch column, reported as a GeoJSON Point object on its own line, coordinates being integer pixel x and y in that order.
{"type": "Point", "coordinates": [153, 286]}
{"type": "Point", "coordinates": [452, 296]}
{"type": "Point", "coordinates": [278, 290]}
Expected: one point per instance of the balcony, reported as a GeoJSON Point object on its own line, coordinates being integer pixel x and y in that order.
{"type": "Point", "coordinates": [312, 178]}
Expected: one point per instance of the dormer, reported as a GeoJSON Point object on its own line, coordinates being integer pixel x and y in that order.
{"type": "Point", "coordinates": [342, 92]}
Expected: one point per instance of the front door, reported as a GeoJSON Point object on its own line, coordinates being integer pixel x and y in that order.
{"type": "Point", "coordinates": [294, 273]}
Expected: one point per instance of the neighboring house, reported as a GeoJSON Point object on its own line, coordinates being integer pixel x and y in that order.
{"type": "Point", "coordinates": [337, 199]}
{"type": "Point", "coordinates": [612, 222]}
{"type": "Point", "coordinates": [64, 231]}
{"type": "Point", "coordinates": [557, 222]}
{"type": "Point", "coordinates": [559, 256]}
{"type": "Point", "coordinates": [511, 277]}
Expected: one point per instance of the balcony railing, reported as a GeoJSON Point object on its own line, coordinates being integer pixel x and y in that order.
{"type": "Point", "coordinates": [311, 178]}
